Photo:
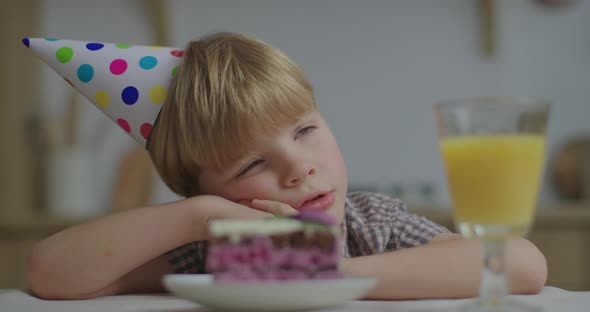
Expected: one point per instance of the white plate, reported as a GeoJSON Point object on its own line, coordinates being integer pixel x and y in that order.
{"type": "Point", "coordinates": [269, 295]}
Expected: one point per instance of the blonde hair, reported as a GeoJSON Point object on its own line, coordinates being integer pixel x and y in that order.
{"type": "Point", "coordinates": [228, 89]}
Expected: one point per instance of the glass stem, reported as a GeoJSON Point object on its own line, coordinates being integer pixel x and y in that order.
{"type": "Point", "coordinates": [494, 284]}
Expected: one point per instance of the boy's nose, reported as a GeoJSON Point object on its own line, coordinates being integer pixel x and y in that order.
{"type": "Point", "coordinates": [298, 173]}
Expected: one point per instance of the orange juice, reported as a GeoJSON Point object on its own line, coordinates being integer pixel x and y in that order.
{"type": "Point", "coordinates": [493, 179]}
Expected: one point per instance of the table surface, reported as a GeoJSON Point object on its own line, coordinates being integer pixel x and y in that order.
{"type": "Point", "coordinates": [15, 300]}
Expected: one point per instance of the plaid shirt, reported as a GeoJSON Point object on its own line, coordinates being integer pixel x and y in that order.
{"type": "Point", "coordinates": [372, 224]}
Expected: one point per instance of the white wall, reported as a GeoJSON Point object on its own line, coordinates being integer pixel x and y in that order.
{"type": "Point", "coordinates": [377, 66]}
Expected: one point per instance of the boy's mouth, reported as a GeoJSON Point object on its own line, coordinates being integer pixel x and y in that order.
{"type": "Point", "coordinates": [318, 201]}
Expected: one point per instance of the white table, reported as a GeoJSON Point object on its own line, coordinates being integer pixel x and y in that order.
{"type": "Point", "coordinates": [13, 300]}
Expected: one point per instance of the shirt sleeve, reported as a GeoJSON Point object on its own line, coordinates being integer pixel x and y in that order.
{"type": "Point", "coordinates": [188, 258]}
{"type": "Point", "coordinates": [377, 223]}
{"type": "Point", "coordinates": [410, 230]}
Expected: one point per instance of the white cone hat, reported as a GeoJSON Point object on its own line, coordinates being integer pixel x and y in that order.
{"type": "Point", "coordinates": [129, 83]}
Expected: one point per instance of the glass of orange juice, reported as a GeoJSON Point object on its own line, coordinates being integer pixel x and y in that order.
{"type": "Point", "coordinates": [493, 152]}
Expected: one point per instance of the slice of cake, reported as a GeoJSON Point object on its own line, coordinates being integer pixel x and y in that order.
{"type": "Point", "coordinates": [304, 246]}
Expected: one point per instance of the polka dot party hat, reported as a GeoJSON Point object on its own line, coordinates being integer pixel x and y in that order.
{"type": "Point", "coordinates": [128, 83]}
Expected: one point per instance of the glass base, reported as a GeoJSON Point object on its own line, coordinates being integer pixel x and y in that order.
{"type": "Point", "coordinates": [503, 304]}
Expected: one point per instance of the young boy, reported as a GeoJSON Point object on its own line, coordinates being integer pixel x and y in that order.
{"type": "Point", "coordinates": [240, 136]}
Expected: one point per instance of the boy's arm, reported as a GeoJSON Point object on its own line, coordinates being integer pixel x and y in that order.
{"type": "Point", "coordinates": [123, 252]}
{"type": "Point", "coordinates": [448, 267]}
{"type": "Point", "coordinates": [142, 280]}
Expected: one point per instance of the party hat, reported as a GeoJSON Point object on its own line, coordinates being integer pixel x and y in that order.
{"type": "Point", "coordinates": [128, 83]}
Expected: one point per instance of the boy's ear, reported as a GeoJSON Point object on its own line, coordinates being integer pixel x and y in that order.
{"type": "Point", "coordinates": [128, 83]}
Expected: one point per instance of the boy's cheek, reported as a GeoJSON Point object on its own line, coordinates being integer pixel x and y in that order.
{"type": "Point", "coordinates": [246, 192]}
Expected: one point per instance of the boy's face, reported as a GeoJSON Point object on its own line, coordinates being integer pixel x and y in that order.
{"type": "Point", "coordinates": [299, 165]}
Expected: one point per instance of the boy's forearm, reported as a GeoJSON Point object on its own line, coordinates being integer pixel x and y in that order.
{"type": "Point", "coordinates": [446, 269]}
{"type": "Point", "coordinates": [92, 255]}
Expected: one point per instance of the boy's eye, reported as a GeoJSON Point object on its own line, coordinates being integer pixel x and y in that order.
{"type": "Point", "coordinates": [305, 130]}
{"type": "Point", "coordinates": [249, 167]}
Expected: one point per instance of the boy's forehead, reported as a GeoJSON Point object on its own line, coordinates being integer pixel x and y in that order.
{"type": "Point", "coordinates": [251, 136]}
{"type": "Point", "coordinates": [262, 134]}
{"type": "Point", "coordinates": [265, 135]}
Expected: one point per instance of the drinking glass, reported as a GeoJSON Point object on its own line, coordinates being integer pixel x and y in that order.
{"type": "Point", "coordinates": [493, 152]}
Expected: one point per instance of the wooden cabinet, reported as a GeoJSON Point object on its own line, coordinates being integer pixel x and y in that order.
{"type": "Point", "coordinates": [18, 95]}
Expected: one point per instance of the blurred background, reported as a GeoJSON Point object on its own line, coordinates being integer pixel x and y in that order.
{"type": "Point", "coordinates": [377, 67]}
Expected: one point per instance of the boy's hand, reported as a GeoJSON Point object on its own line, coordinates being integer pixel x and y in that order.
{"type": "Point", "coordinates": [209, 208]}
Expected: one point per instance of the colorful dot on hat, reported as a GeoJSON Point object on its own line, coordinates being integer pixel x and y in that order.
{"type": "Point", "coordinates": [145, 130]}
{"type": "Point", "coordinates": [102, 99]}
{"type": "Point", "coordinates": [174, 70]}
{"type": "Point", "coordinates": [94, 46]}
{"type": "Point", "coordinates": [64, 54]}
{"type": "Point", "coordinates": [123, 46]}
{"type": "Point", "coordinates": [26, 42]}
{"type": "Point", "coordinates": [154, 47]}
{"type": "Point", "coordinates": [118, 66]}
{"type": "Point", "coordinates": [124, 124]}
{"type": "Point", "coordinates": [85, 72]}
{"type": "Point", "coordinates": [51, 39]}
{"type": "Point", "coordinates": [148, 62]}
{"type": "Point", "coordinates": [130, 95]}
{"type": "Point", "coordinates": [157, 94]}
{"type": "Point", "coordinates": [177, 53]}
